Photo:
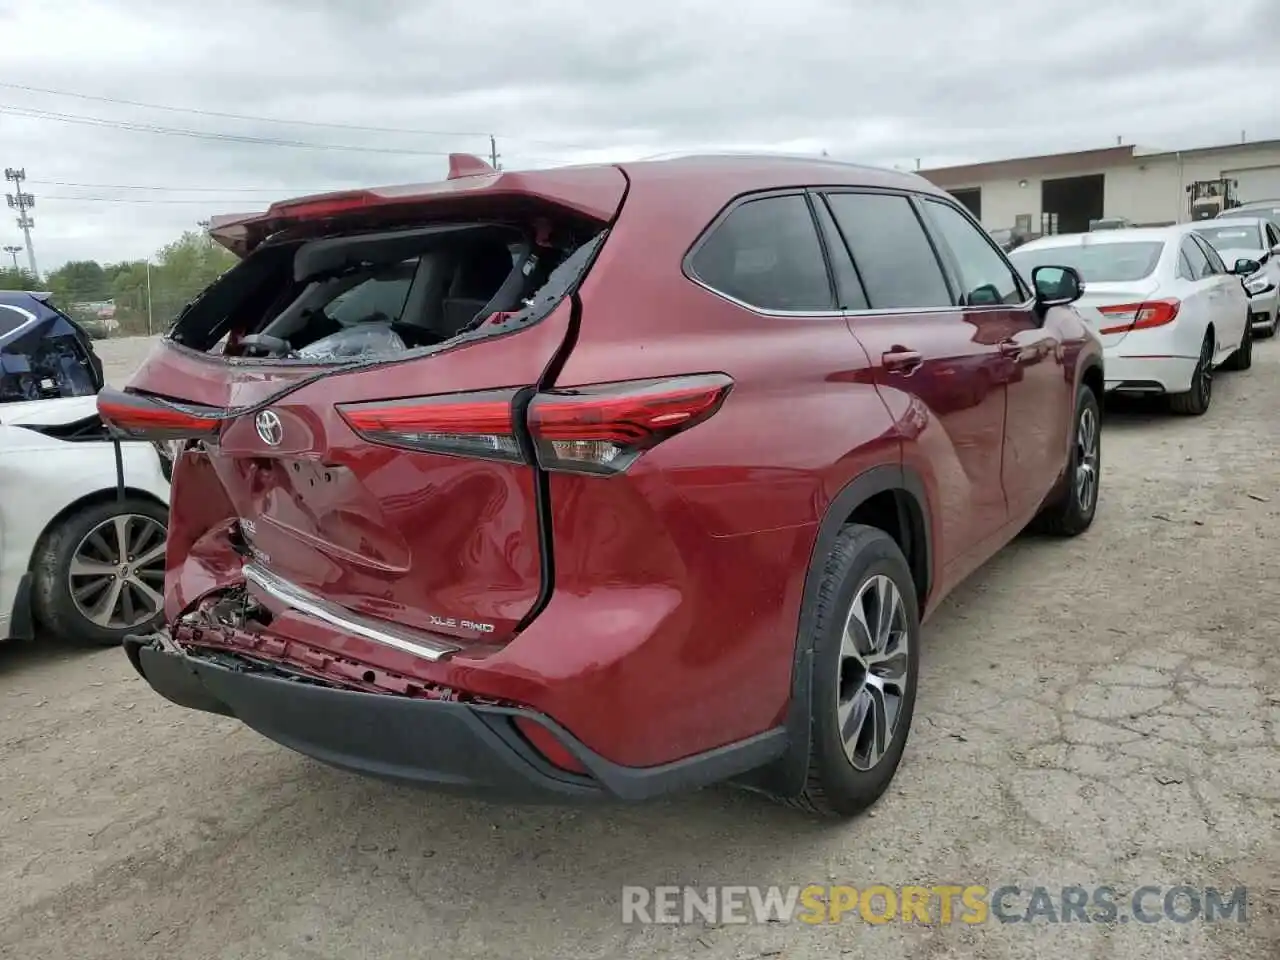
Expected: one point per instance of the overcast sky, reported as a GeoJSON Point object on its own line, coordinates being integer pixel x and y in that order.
{"type": "Point", "coordinates": [945, 81]}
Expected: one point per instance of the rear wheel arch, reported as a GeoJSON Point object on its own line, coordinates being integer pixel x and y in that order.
{"type": "Point", "coordinates": [891, 498]}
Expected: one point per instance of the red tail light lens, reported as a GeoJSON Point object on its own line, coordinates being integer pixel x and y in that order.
{"type": "Point", "coordinates": [598, 429]}
{"type": "Point", "coordinates": [1139, 316]}
{"type": "Point", "coordinates": [460, 425]}
{"type": "Point", "coordinates": [603, 429]}
{"type": "Point", "coordinates": [140, 417]}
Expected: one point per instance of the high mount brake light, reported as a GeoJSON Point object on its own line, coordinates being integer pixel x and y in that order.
{"type": "Point", "coordinates": [599, 429]}
{"type": "Point", "coordinates": [1139, 316]}
{"type": "Point", "coordinates": [323, 206]}
{"type": "Point", "coordinates": [138, 417]}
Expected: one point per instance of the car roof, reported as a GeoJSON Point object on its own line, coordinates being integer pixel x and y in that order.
{"type": "Point", "coordinates": [1092, 238]}
{"type": "Point", "coordinates": [1241, 220]}
{"type": "Point", "coordinates": [594, 190]}
{"type": "Point", "coordinates": [22, 296]}
{"type": "Point", "coordinates": [766, 171]}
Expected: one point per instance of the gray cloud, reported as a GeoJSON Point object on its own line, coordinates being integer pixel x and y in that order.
{"type": "Point", "coordinates": [945, 81]}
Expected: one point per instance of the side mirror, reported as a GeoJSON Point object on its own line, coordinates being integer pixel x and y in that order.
{"type": "Point", "coordinates": [1275, 251]}
{"type": "Point", "coordinates": [1056, 286]}
{"type": "Point", "coordinates": [1245, 266]}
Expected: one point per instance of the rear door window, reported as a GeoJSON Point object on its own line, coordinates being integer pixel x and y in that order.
{"type": "Point", "coordinates": [894, 257]}
{"type": "Point", "coordinates": [1216, 266]}
{"type": "Point", "coordinates": [987, 280]}
{"type": "Point", "coordinates": [1196, 257]}
{"type": "Point", "coordinates": [766, 254]}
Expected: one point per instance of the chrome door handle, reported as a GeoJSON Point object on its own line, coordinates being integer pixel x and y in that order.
{"type": "Point", "coordinates": [902, 360]}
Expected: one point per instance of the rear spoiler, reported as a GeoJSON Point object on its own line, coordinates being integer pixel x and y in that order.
{"type": "Point", "coordinates": [594, 193]}
{"type": "Point", "coordinates": [231, 231]}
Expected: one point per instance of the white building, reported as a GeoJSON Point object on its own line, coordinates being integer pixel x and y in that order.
{"type": "Point", "coordinates": [1139, 184]}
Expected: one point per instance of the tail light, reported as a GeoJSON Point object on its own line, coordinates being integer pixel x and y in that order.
{"type": "Point", "coordinates": [604, 429]}
{"type": "Point", "coordinates": [1139, 316]}
{"type": "Point", "coordinates": [599, 429]}
{"type": "Point", "coordinates": [463, 425]}
{"type": "Point", "coordinates": [140, 417]}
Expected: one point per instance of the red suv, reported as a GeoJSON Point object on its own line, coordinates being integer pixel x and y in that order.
{"type": "Point", "coordinates": [603, 481]}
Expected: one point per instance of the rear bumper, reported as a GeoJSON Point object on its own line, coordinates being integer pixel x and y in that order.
{"type": "Point", "coordinates": [1144, 374]}
{"type": "Point", "coordinates": [429, 743]}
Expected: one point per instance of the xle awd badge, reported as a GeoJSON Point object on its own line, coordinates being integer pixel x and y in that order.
{"type": "Point", "coordinates": [270, 429]}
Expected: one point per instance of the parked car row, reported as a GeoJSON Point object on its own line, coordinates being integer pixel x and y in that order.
{"type": "Point", "coordinates": [1168, 307]}
{"type": "Point", "coordinates": [605, 481]}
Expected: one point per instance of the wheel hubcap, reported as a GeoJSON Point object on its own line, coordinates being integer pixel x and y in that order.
{"type": "Point", "coordinates": [117, 572]}
{"type": "Point", "coordinates": [1087, 460]}
{"type": "Point", "coordinates": [873, 672]}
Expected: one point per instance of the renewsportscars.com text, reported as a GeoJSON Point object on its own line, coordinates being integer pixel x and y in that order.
{"type": "Point", "coordinates": [937, 904]}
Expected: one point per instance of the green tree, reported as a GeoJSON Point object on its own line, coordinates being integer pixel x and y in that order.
{"type": "Point", "coordinates": [79, 281]}
{"type": "Point", "coordinates": [11, 279]}
{"type": "Point", "coordinates": [180, 271]}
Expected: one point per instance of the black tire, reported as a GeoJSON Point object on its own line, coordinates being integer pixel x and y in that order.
{"type": "Point", "coordinates": [1242, 359]}
{"type": "Point", "coordinates": [1072, 510]}
{"type": "Point", "coordinates": [55, 608]}
{"type": "Point", "coordinates": [835, 788]}
{"type": "Point", "coordinates": [1195, 402]}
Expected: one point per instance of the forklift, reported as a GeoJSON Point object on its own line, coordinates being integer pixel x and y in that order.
{"type": "Point", "coordinates": [1210, 197]}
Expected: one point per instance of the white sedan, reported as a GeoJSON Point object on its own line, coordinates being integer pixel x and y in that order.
{"type": "Point", "coordinates": [1257, 239]}
{"type": "Point", "coordinates": [1167, 308]}
{"type": "Point", "coordinates": [75, 559]}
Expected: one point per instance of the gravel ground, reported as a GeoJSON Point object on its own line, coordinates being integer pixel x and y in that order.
{"type": "Point", "coordinates": [1100, 711]}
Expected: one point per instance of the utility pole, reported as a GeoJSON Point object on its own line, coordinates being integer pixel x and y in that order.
{"type": "Point", "coordinates": [493, 152]}
{"type": "Point", "coordinates": [22, 202]}
{"type": "Point", "coordinates": [149, 328]}
{"type": "Point", "coordinates": [13, 252]}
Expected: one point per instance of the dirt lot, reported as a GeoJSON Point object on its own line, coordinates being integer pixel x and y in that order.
{"type": "Point", "coordinates": [1101, 711]}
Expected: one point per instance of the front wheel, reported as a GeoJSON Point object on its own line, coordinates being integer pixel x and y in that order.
{"type": "Point", "coordinates": [866, 666]}
{"type": "Point", "coordinates": [99, 574]}
{"type": "Point", "coordinates": [1071, 512]}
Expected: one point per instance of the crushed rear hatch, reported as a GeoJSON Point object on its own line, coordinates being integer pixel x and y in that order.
{"type": "Point", "coordinates": [331, 394]}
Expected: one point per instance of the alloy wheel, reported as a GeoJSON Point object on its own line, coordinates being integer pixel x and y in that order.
{"type": "Point", "coordinates": [117, 572]}
{"type": "Point", "coordinates": [1087, 459]}
{"type": "Point", "coordinates": [1204, 373]}
{"type": "Point", "coordinates": [873, 671]}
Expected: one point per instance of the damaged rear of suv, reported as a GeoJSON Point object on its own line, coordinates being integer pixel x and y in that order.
{"type": "Point", "coordinates": [361, 510]}
{"type": "Point", "coordinates": [602, 481]}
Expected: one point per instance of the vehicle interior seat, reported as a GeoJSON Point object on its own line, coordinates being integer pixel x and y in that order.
{"type": "Point", "coordinates": [481, 272]}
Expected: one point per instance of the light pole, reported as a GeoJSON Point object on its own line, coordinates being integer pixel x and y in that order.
{"type": "Point", "coordinates": [13, 251]}
{"type": "Point", "coordinates": [22, 202]}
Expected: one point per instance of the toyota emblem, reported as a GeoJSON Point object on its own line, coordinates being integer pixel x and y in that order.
{"type": "Point", "coordinates": [270, 429]}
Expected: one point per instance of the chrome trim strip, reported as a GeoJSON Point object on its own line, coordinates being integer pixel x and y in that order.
{"type": "Point", "coordinates": [342, 619]}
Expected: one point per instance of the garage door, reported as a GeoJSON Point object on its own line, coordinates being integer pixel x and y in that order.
{"type": "Point", "coordinates": [1256, 183]}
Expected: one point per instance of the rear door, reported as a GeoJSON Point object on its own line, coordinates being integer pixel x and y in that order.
{"type": "Point", "coordinates": [941, 372]}
{"type": "Point", "coordinates": [1040, 402]}
{"type": "Point", "coordinates": [1229, 302]}
{"type": "Point", "coordinates": [398, 488]}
